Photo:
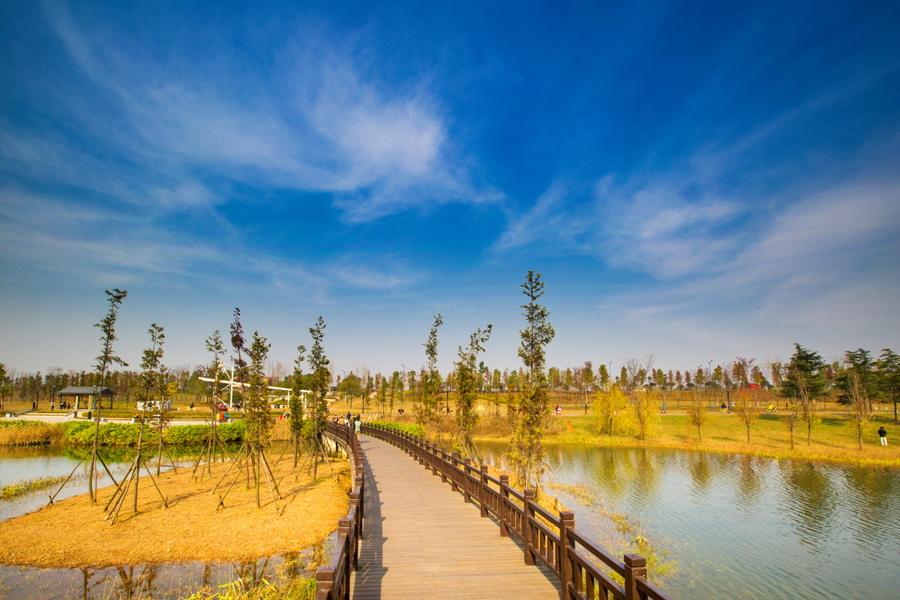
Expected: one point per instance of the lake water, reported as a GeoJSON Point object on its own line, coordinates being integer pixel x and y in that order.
{"type": "Point", "coordinates": [160, 581]}
{"type": "Point", "coordinates": [742, 527]}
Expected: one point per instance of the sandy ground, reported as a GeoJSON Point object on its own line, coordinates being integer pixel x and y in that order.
{"type": "Point", "coordinates": [74, 533]}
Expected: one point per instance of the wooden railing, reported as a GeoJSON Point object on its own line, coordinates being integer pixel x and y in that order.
{"type": "Point", "coordinates": [333, 579]}
{"type": "Point", "coordinates": [576, 560]}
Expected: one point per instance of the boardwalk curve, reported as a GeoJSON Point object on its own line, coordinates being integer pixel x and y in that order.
{"type": "Point", "coordinates": [423, 541]}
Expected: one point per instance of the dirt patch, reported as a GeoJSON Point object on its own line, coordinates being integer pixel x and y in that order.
{"type": "Point", "coordinates": [73, 533]}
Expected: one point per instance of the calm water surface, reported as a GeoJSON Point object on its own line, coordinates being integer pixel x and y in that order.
{"type": "Point", "coordinates": [744, 527]}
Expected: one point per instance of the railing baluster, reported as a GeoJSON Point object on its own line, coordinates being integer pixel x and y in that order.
{"type": "Point", "coordinates": [526, 526]}
{"type": "Point", "coordinates": [484, 492]}
{"type": "Point", "coordinates": [504, 509]}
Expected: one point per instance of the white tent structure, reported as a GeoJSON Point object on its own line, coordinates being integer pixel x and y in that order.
{"type": "Point", "coordinates": [232, 384]}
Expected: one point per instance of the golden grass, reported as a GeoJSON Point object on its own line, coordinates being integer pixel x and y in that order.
{"type": "Point", "coordinates": [73, 533]}
{"type": "Point", "coordinates": [30, 434]}
{"type": "Point", "coordinates": [833, 438]}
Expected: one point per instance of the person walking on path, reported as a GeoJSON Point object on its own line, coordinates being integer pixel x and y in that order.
{"type": "Point", "coordinates": [882, 435]}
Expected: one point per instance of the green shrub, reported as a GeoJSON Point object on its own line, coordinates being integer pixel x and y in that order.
{"type": "Point", "coordinates": [127, 434]}
{"type": "Point", "coordinates": [410, 428]}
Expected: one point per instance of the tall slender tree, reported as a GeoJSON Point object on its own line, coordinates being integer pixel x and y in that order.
{"type": "Point", "coordinates": [320, 380]}
{"type": "Point", "coordinates": [213, 443]}
{"type": "Point", "coordinates": [239, 344]}
{"type": "Point", "coordinates": [257, 419]}
{"type": "Point", "coordinates": [107, 358]}
{"type": "Point", "coordinates": [467, 390]}
{"type": "Point", "coordinates": [430, 378]}
{"type": "Point", "coordinates": [296, 403]}
{"type": "Point", "coordinates": [526, 451]}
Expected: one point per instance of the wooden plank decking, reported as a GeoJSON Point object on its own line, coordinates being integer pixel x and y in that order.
{"type": "Point", "coordinates": [422, 541]}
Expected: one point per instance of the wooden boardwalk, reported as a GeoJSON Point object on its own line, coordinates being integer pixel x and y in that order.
{"type": "Point", "coordinates": [421, 540]}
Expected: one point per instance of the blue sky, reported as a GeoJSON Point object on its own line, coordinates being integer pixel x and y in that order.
{"type": "Point", "coordinates": [695, 180]}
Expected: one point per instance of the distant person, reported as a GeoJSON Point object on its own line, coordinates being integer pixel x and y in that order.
{"type": "Point", "coordinates": [357, 425]}
{"type": "Point", "coordinates": [882, 435]}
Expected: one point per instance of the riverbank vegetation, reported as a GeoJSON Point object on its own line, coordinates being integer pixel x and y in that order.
{"type": "Point", "coordinates": [833, 439]}
{"type": "Point", "coordinates": [15, 490]}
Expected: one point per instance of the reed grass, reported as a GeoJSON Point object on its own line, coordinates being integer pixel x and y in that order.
{"type": "Point", "coordinates": [29, 433]}
{"type": "Point", "coordinates": [301, 588]}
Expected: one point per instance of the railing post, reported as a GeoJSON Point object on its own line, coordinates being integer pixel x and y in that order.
{"type": "Point", "coordinates": [504, 509]}
{"type": "Point", "coordinates": [439, 458]}
{"type": "Point", "coordinates": [454, 484]}
{"type": "Point", "coordinates": [466, 484]}
{"type": "Point", "coordinates": [526, 526]}
{"type": "Point", "coordinates": [566, 524]}
{"type": "Point", "coordinates": [635, 566]}
{"type": "Point", "coordinates": [324, 582]}
{"type": "Point", "coordinates": [484, 490]}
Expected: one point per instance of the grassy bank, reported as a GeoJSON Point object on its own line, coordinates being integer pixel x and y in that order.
{"type": "Point", "coordinates": [833, 436]}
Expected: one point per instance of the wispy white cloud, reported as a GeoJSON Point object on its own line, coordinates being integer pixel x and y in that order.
{"type": "Point", "coordinates": [315, 125]}
{"type": "Point", "coordinates": [652, 224]}
{"type": "Point", "coordinates": [82, 245]}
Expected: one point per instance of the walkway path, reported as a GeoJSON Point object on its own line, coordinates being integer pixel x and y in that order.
{"type": "Point", "coordinates": [422, 541]}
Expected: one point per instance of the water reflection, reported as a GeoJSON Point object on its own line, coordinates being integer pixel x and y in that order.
{"type": "Point", "coordinates": [744, 527]}
{"type": "Point", "coordinates": [159, 581]}
{"type": "Point", "coordinates": [809, 500]}
{"type": "Point", "coordinates": [750, 482]}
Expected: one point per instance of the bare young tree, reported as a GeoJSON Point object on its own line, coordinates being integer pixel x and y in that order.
{"type": "Point", "coordinates": [698, 413]}
{"type": "Point", "coordinates": [860, 408]}
{"type": "Point", "coordinates": [637, 369]}
{"type": "Point", "coordinates": [747, 410]}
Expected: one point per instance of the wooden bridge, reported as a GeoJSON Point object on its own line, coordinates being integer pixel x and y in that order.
{"type": "Point", "coordinates": [407, 535]}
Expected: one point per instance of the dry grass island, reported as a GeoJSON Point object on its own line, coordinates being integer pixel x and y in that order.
{"type": "Point", "coordinates": [73, 533]}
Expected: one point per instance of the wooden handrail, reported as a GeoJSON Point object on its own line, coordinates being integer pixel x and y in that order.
{"type": "Point", "coordinates": [576, 560]}
{"type": "Point", "coordinates": [333, 579]}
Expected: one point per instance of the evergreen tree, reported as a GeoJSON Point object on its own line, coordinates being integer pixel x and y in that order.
{"type": "Point", "coordinates": [804, 384]}
{"type": "Point", "coordinates": [526, 451]}
{"type": "Point", "coordinates": [889, 377]}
